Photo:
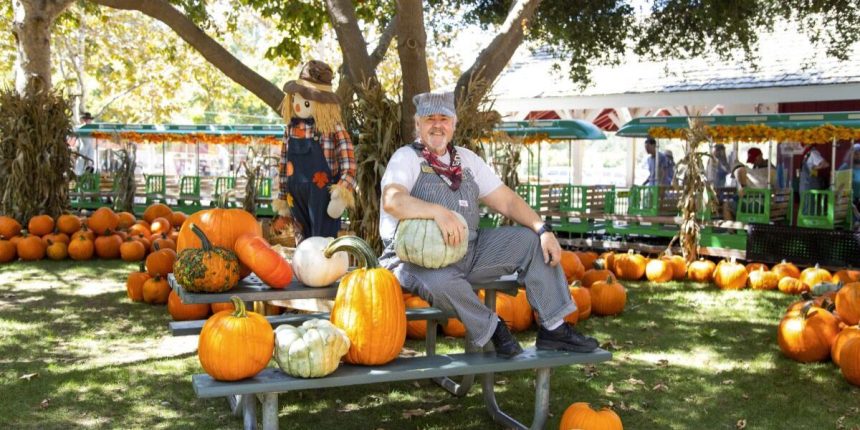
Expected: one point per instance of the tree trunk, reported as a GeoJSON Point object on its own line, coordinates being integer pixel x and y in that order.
{"type": "Point", "coordinates": [411, 47]}
{"type": "Point", "coordinates": [31, 24]}
{"type": "Point", "coordinates": [211, 50]}
{"type": "Point", "coordinates": [345, 90]}
{"type": "Point", "coordinates": [493, 59]}
{"type": "Point", "coordinates": [359, 66]}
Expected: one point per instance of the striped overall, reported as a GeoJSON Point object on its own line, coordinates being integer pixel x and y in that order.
{"type": "Point", "coordinates": [492, 253]}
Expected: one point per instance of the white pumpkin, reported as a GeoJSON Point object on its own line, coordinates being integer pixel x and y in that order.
{"type": "Point", "coordinates": [312, 350]}
{"type": "Point", "coordinates": [312, 268]}
{"type": "Point", "coordinates": [420, 242]}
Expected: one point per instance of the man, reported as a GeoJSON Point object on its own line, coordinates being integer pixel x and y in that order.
{"type": "Point", "coordinates": [432, 178]}
{"type": "Point", "coordinates": [665, 169]}
{"type": "Point", "coordinates": [813, 170]}
{"type": "Point", "coordinates": [756, 176]}
{"type": "Point", "coordinates": [85, 148]}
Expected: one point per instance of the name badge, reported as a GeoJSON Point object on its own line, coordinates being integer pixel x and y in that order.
{"type": "Point", "coordinates": [464, 204]}
{"type": "Point", "coordinates": [427, 169]}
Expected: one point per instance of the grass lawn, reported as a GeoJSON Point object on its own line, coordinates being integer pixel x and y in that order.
{"type": "Point", "coordinates": [75, 352]}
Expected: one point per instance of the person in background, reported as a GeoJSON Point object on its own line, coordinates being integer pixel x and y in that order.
{"type": "Point", "coordinates": [813, 170]}
{"type": "Point", "coordinates": [85, 147]}
{"type": "Point", "coordinates": [654, 158]}
{"type": "Point", "coordinates": [855, 184]}
{"type": "Point", "coordinates": [754, 176]}
{"type": "Point", "coordinates": [670, 161]}
{"type": "Point", "coordinates": [718, 166]}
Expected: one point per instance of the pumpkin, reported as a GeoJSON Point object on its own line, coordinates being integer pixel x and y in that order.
{"type": "Point", "coordinates": [789, 285]}
{"type": "Point", "coordinates": [131, 250]}
{"type": "Point", "coordinates": [134, 284]}
{"type": "Point", "coordinates": [218, 307]}
{"type": "Point", "coordinates": [806, 335]}
{"type": "Point", "coordinates": [849, 361]}
{"type": "Point", "coordinates": [68, 224]}
{"type": "Point", "coordinates": [102, 220]}
{"type": "Point", "coordinates": [606, 261]}
{"type": "Point", "coordinates": [701, 270]}
{"type": "Point", "coordinates": [235, 345]}
{"type": "Point", "coordinates": [163, 241]}
{"type": "Point", "coordinates": [582, 297]}
{"type": "Point", "coordinates": [56, 250]}
{"type": "Point", "coordinates": [368, 306]}
{"type": "Point", "coordinates": [848, 303]}
{"type": "Point", "coordinates": [311, 350]}
{"type": "Point", "coordinates": [580, 416]}
{"type": "Point", "coordinates": [454, 328]}
{"type": "Point", "coordinates": [846, 276]}
{"type": "Point", "coordinates": [9, 227]}
{"type": "Point", "coordinates": [156, 290]}
{"type": "Point", "coordinates": [784, 269]}
{"type": "Point", "coordinates": [8, 250]}
{"type": "Point", "coordinates": [85, 232]}
{"type": "Point", "coordinates": [255, 253]}
{"type": "Point", "coordinates": [30, 247]}
{"type": "Point", "coordinates": [679, 266]}
{"type": "Point", "coordinates": [755, 267]}
{"type": "Point", "coordinates": [587, 258]}
{"type": "Point", "coordinates": [177, 219]}
{"type": "Point", "coordinates": [181, 312]}
{"type": "Point", "coordinates": [522, 315]}
{"type": "Point", "coordinates": [126, 220]}
{"type": "Point", "coordinates": [730, 275]}
{"type": "Point", "coordinates": [573, 268]}
{"type": "Point", "coordinates": [56, 237]}
{"type": "Point", "coordinates": [40, 225]}
{"type": "Point", "coordinates": [160, 225]}
{"type": "Point", "coordinates": [813, 276]}
{"type": "Point", "coordinates": [763, 279]}
{"type": "Point", "coordinates": [161, 261]}
{"type": "Point", "coordinates": [608, 297]}
{"type": "Point", "coordinates": [157, 210]}
{"type": "Point", "coordinates": [209, 269]}
{"type": "Point", "coordinates": [81, 248]}
{"type": "Point", "coordinates": [421, 242]}
{"type": "Point", "coordinates": [659, 270]}
{"type": "Point", "coordinates": [140, 230]}
{"type": "Point", "coordinates": [841, 339]}
{"type": "Point", "coordinates": [630, 266]}
{"type": "Point", "coordinates": [107, 247]}
{"type": "Point", "coordinates": [314, 269]}
{"type": "Point", "coordinates": [416, 329]}
{"type": "Point", "coordinates": [594, 275]}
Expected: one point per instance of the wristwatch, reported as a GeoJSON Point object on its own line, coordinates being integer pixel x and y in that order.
{"type": "Point", "coordinates": [546, 227]}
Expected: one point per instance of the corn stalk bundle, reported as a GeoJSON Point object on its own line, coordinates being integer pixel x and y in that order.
{"type": "Point", "coordinates": [35, 158]}
{"type": "Point", "coordinates": [125, 181]}
{"type": "Point", "coordinates": [256, 162]}
{"type": "Point", "coordinates": [475, 116]}
{"type": "Point", "coordinates": [695, 189]}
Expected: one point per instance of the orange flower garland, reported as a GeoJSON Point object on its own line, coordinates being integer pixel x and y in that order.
{"type": "Point", "coordinates": [190, 138]}
{"type": "Point", "coordinates": [763, 133]}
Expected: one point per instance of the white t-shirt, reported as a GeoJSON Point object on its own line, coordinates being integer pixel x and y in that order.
{"type": "Point", "coordinates": [405, 166]}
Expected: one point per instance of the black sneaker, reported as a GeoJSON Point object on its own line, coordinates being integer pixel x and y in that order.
{"type": "Point", "coordinates": [565, 338]}
{"type": "Point", "coordinates": [504, 342]}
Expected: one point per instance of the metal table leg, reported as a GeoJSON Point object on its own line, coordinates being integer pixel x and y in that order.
{"type": "Point", "coordinates": [235, 403]}
{"type": "Point", "coordinates": [249, 406]}
{"type": "Point", "coordinates": [458, 389]}
{"type": "Point", "coordinates": [270, 410]}
{"type": "Point", "coordinates": [541, 401]}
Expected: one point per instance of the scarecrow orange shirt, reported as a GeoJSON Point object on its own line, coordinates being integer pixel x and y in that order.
{"type": "Point", "coordinates": [337, 148]}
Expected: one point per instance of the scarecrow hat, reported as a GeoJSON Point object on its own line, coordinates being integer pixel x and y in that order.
{"type": "Point", "coordinates": [314, 83]}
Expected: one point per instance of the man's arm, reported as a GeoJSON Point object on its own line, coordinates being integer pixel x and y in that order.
{"type": "Point", "coordinates": [397, 202]}
{"type": "Point", "coordinates": [508, 203]}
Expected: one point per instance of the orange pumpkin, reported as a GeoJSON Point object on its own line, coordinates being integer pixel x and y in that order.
{"type": "Point", "coordinates": [30, 247]}
{"type": "Point", "coordinates": [608, 297]}
{"type": "Point", "coordinates": [416, 329]}
{"type": "Point", "coordinates": [237, 345]}
{"type": "Point", "coordinates": [701, 270]}
{"type": "Point", "coordinates": [594, 275]}
{"type": "Point", "coordinates": [784, 269]}
{"type": "Point", "coordinates": [83, 232]}
{"type": "Point", "coordinates": [849, 361]}
{"type": "Point", "coordinates": [68, 224]}
{"type": "Point", "coordinates": [587, 258]}
{"type": "Point", "coordinates": [160, 262]}
{"type": "Point", "coordinates": [679, 266]}
{"type": "Point", "coordinates": [126, 220]}
{"type": "Point", "coordinates": [256, 254]}
{"type": "Point", "coordinates": [55, 237]}
{"type": "Point", "coordinates": [157, 210]}
{"type": "Point", "coordinates": [522, 316]}
{"type": "Point", "coordinates": [454, 328]}
{"type": "Point", "coordinates": [160, 225]}
{"type": "Point", "coordinates": [730, 275]}
{"type": "Point", "coordinates": [606, 261]}
{"type": "Point", "coordinates": [9, 227]}
{"type": "Point", "coordinates": [573, 268]}
{"type": "Point", "coordinates": [163, 241]}
{"type": "Point", "coordinates": [789, 285]}
{"type": "Point", "coordinates": [218, 307]}
{"type": "Point", "coordinates": [841, 339]}
{"type": "Point", "coordinates": [848, 303]}
{"type": "Point", "coordinates": [182, 312]}
{"type": "Point", "coordinates": [56, 250]}
{"type": "Point", "coordinates": [177, 219]}
{"type": "Point", "coordinates": [132, 250]}
{"type": "Point", "coordinates": [221, 226]}
{"type": "Point", "coordinates": [630, 266]}
{"type": "Point", "coordinates": [368, 306]}
{"type": "Point", "coordinates": [755, 267]}
{"type": "Point", "coordinates": [582, 297]}
{"type": "Point", "coordinates": [104, 219]}
{"type": "Point", "coordinates": [846, 276]}
{"type": "Point", "coordinates": [40, 225]}
{"type": "Point", "coordinates": [107, 246]}
{"type": "Point", "coordinates": [8, 250]}
{"type": "Point", "coordinates": [156, 290]}
{"type": "Point", "coordinates": [134, 284]}
{"type": "Point", "coordinates": [813, 276]}
{"type": "Point", "coordinates": [659, 271]}
{"type": "Point", "coordinates": [81, 248]}
{"type": "Point", "coordinates": [806, 335]}
{"type": "Point", "coordinates": [141, 230]}
{"type": "Point", "coordinates": [580, 416]}
{"type": "Point", "coordinates": [763, 279]}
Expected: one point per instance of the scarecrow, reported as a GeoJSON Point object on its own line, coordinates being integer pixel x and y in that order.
{"type": "Point", "coordinates": [317, 167]}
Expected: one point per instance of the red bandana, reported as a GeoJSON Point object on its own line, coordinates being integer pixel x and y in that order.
{"type": "Point", "coordinates": [452, 174]}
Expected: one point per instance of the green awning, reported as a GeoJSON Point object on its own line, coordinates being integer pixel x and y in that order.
{"type": "Point", "coordinates": [639, 127]}
{"type": "Point", "coordinates": [560, 129]}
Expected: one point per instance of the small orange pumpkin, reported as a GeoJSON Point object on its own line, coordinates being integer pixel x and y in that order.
{"type": "Point", "coordinates": [763, 279]}
{"type": "Point", "coordinates": [218, 307]}
{"type": "Point", "coordinates": [81, 248]}
{"type": "Point", "coordinates": [454, 328]}
{"type": "Point", "coordinates": [848, 303]}
{"type": "Point", "coordinates": [134, 284]}
{"type": "Point", "coordinates": [679, 266]}
{"type": "Point", "coordinates": [813, 276]}
{"type": "Point", "coordinates": [789, 285]}
{"type": "Point", "coordinates": [582, 297]}
{"type": "Point", "coordinates": [594, 275]}
{"type": "Point", "coordinates": [701, 270]}
{"type": "Point", "coordinates": [160, 225]}
{"type": "Point", "coordinates": [161, 261]}
{"type": "Point", "coordinates": [849, 360]}
{"type": "Point", "coordinates": [659, 270]}
{"type": "Point", "coordinates": [156, 290]}
{"type": "Point", "coordinates": [730, 275]}
{"type": "Point", "coordinates": [841, 339]}
{"type": "Point", "coordinates": [846, 276]}
{"type": "Point", "coordinates": [68, 224]}
{"type": "Point", "coordinates": [573, 268]}
{"type": "Point", "coordinates": [580, 416]}
{"type": "Point", "coordinates": [107, 246]}
{"type": "Point", "coordinates": [9, 227]}
{"type": "Point", "coordinates": [630, 266]}
{"type": "Point", "coordinates": [608, 297]}
{"type": "Point", "coordinates": [56, 250]}
{"type": "Point", "coordinates": [30, 247]}
{"type": "Point", "coordinates": [132, 250]}
{"type": "Point", "coordinates": [416, 329]}
{"type": "Point", "coordinates": [126, 220]}
{"type": "Point", "coordinates": [784, 269]}
{"type": "Point", "coordinates": [103, 220]}
{"type": "Point", "coordinates": [8, 250]}
{"type": "Point", "coordinates": [237, 345]}
{"type": "Point", "coordinates": [40, 225]}
{"type": "Point", "coordinates": [182, 312]}
{"type": "Point", "coordinates": [157, 210]}
{"type": "Point", "coordinates": [806, 335]}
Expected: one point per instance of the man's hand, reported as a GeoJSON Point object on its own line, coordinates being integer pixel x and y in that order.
{"type": "Point", "coordinates": [453, 230]}
{"type": "Point", "coordinates": [551, 249]}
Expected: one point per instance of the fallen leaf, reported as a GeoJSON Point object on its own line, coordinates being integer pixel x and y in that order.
{"type": "Point", "coordinates": [728, 382]}
{"type": "Point", "coordinates": [45, 403]}
{"type": "Point", "coordinates": [742, 424]}
{"type": "Point", "coordinates": [590, 371]}
{"type": "Point", "coordinates": [416, 384]}
{"type": "Point", "coordinates": [634, 381]}
{"type": "Point", "coordinates": [413, 413]}
{"type": "Point", "coordinates": [28, 376]}
{"type": "Point", "coordinates": [660, 387]}
{"type": "Point", "coordinates": [745, 396]}
{"type": "Point", "coordinates": [610, 344]}
{"type": "Point", "coordinates": [610, 389]}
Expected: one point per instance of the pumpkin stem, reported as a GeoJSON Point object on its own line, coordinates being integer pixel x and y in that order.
{"type": "Point", "coordinates": [207, 246]}
{"type": "Point", "coordinates": [222, 199]}
{"type": "Point", "coordinates": [239, 304]}
{"type": "Point", "coordinates": [356, 246]}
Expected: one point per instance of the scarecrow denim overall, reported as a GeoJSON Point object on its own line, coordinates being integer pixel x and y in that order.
{"type": "Point", "coordinates": [309, 187]}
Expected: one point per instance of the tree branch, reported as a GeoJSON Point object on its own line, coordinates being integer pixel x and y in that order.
{"type": "Point", "coordinates": [352, 44]}
{"type": "Point", "coordinates": [210, 49]}
{"type": "Point", "coordinates": [411, 47]}
{"type": "Point", "coordinates": [345, 89]}
{"type": "Point", "coordinates": [493, 59]}
{"type": "Point", "coordinates": [118, 95]}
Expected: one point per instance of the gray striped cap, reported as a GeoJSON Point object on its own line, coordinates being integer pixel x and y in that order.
{"type": "Point", "coordinates": [427, 104]}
